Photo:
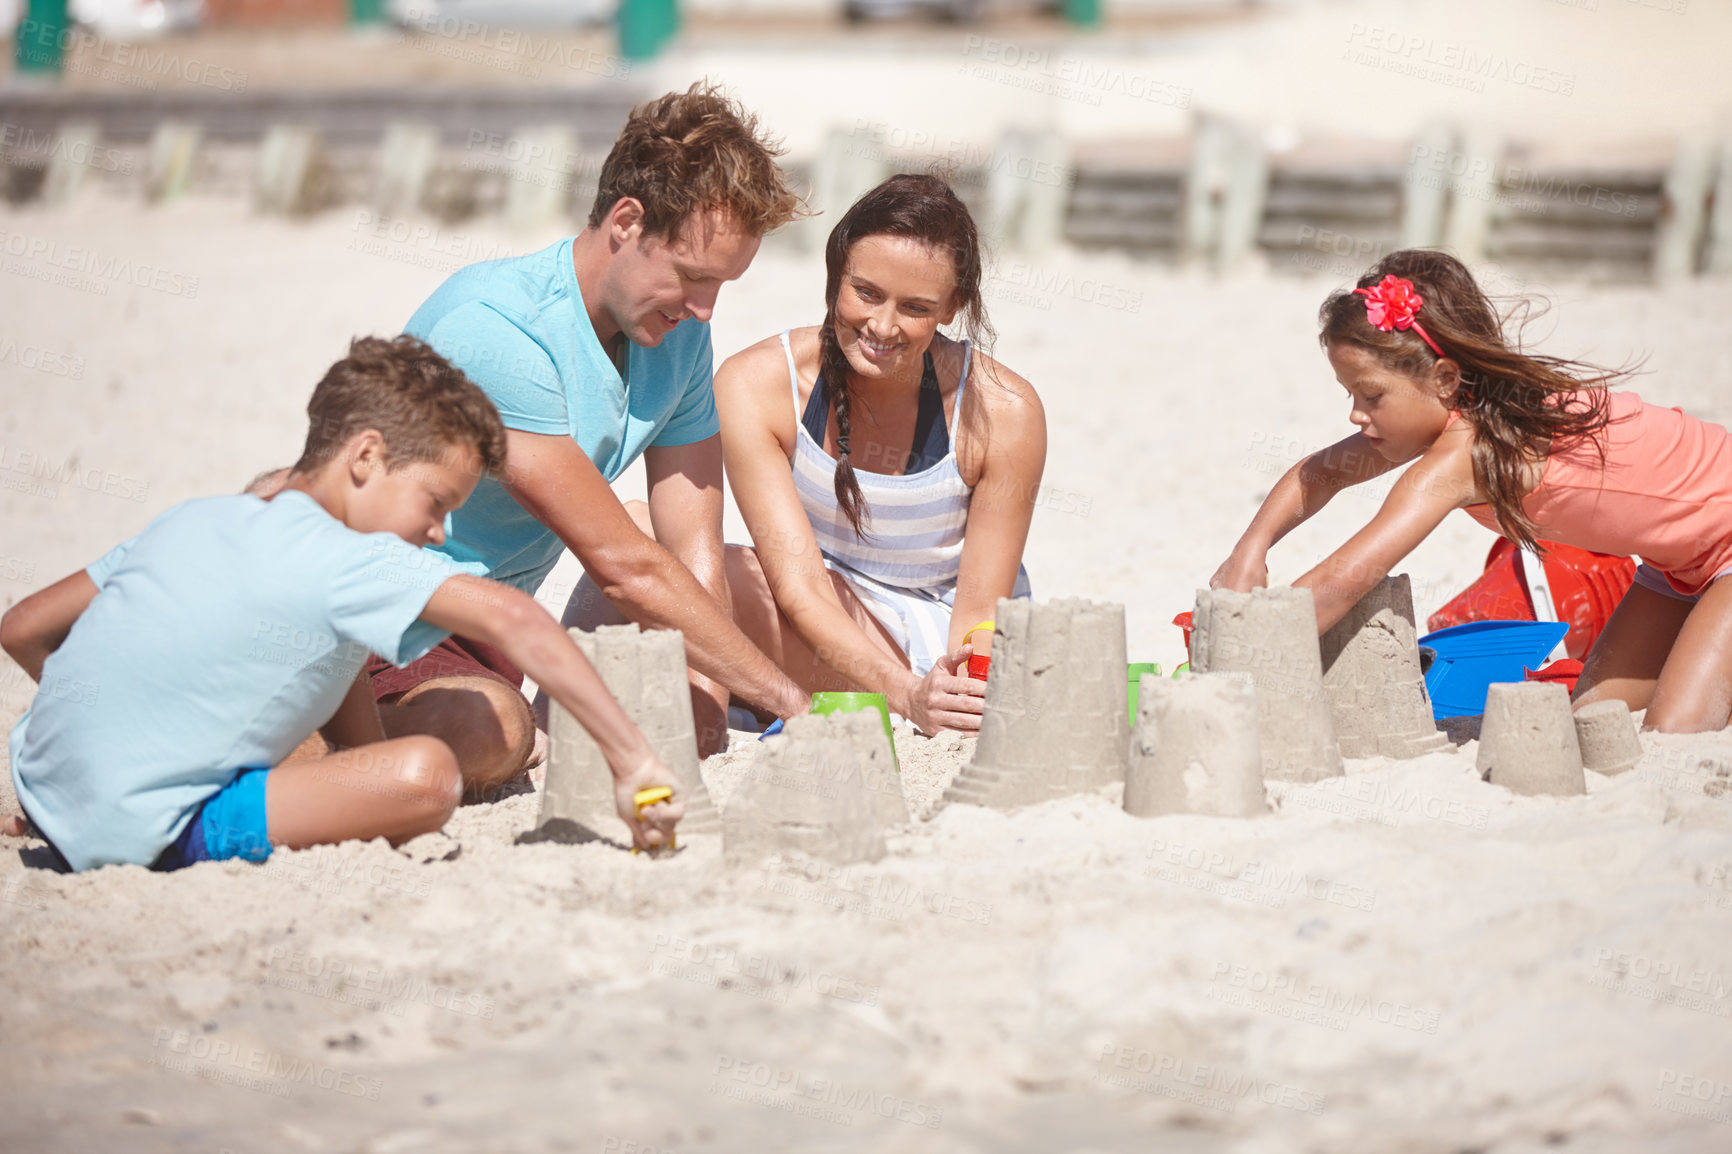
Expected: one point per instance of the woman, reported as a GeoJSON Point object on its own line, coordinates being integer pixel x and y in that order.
{"type": "Point", "coordinates": [887, 473]}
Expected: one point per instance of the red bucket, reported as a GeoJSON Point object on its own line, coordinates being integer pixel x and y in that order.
{"type": "Point", "coordinates": [1565, 671]}
{"type": "Point", "coordinates": [1585, 588]}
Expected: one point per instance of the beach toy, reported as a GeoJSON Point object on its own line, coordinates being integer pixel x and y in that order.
{"type": "Point", "coordinates": [1606, 733]}
{"type": "Point", "coordinates": [979, 663]}
{"type": "Point", "coordinates": [1566, 672]}
{"type": "Point", "coordinates": [1134, 674]}
{"type": "Point", "coordinates": [1527, 741]}
{"type": "Point", "coordinates": [647, 797]}
{"type": "Point", "coordinates": [1578, 587]}
{"type": "Point", "coordinates": [1271, 635]}
{"type": "Point", "coordinates": [771, 730]}
{"type": "Point", "coordinates": [827, 703]}
{"type": "Point", "coordinates": [1372, 676]}
{"type": "Point", "coordinates": [1185, 623]}
{"type": "Point", "coordinates": [1473, 656]}
{"type": "Point", "coordinates": [1194, 749]}
{"type": "Point", "coordinates": [1055, 721]}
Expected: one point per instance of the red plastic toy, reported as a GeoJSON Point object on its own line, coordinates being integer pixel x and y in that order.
{"type": "Point", "coordinates": [1585, 588]}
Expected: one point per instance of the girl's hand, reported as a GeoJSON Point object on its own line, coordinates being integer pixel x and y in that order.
{"type": "Point", "coordinates": [656, 825]}
{"type": "Point", "coordinates": [1244, 571]}
{"type": "Point", "coordinates": [944, 699]}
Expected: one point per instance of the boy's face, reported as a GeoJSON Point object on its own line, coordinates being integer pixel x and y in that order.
{"type": "Point", "coordinates": [413, 499]}
{"type": "Point", "coordinates": [655, 282]}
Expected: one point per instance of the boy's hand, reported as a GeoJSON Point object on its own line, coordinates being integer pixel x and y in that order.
{"type": "Point", "coordinates": [656, 827]}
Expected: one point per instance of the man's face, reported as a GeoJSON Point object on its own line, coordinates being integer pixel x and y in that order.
{"type": "Point", "coordinates": [655, 282]}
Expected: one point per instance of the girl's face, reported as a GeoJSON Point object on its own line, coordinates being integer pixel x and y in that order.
{"type": "Point", "coordinates": [895, 293]}
{"type": "Point", "coordinates": [1399, 415]}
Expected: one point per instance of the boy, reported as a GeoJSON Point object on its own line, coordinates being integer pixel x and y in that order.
{"type": "Point", "coordinates": [209, 646]}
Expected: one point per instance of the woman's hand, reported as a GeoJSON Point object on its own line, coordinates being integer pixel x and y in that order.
{"type": "Point", "coordinates": [1245, 570]}
{"type": "Point", "coordinates": [944, 699]}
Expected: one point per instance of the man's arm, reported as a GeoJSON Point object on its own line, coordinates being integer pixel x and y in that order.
{"type": "Point", "coordinates": [553, 479]}
{"type": "Point", "coordinates": [685, 503]}
{"type": "Point", "coordinates": [36, 626]}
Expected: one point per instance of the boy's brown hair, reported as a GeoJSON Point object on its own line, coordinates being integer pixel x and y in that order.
{"type": "Point", "coordinates": [692, 151]}
{"type": "Point", "coordinates": [421, 404]}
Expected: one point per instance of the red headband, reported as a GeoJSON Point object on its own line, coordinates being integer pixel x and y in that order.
{"type": "Point", "coordinates": [1392, 304]}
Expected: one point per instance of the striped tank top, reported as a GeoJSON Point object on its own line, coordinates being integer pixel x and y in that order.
{"type": "Point", "coordinates": [914, 523]}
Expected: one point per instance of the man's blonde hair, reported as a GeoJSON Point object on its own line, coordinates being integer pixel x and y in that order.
{"type": "Point", "coordinates": [691, 152]}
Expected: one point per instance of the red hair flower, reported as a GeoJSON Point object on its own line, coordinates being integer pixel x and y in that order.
{"type": "Point", "coordinates": [1393, 304]}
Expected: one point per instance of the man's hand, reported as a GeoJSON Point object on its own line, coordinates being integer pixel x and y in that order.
{"type": "Point", "coordinates": [652, 826]}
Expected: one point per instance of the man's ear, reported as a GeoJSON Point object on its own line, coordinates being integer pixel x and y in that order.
{"type": "Point", "coordinates": [625, 220]}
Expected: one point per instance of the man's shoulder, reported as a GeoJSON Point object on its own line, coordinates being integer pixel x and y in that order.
{"type": "Point", "coordinates": [517, 288]}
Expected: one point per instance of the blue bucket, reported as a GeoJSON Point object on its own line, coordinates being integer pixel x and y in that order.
{"type": "Point", "coordinates": [1470, 658]}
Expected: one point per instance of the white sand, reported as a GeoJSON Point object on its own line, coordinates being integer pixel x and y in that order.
{"type": "Point", "coordinates": [1404, 959]}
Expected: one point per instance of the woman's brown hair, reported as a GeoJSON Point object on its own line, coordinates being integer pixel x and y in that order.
{"type": "Point", "coordinates": [920, 207]}
{"type": "Point", "coordinates": [1509, 396]}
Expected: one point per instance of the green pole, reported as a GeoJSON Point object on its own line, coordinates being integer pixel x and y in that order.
{"type": "Point", "coordinates": [366, 11]}
{"type": "Point", "coordinates": [1085, 13]}
{"type": "Point", "coordinates": [41, 36]}
{"type": "Point", "coordinates": [645, 26]}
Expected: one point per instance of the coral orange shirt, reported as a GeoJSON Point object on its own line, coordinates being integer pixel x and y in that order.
{"type": "Point", "coordinates": [1664, 493]}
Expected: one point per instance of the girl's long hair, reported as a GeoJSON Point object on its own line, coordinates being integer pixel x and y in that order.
{"type": "Point", "coordinates": [921, 207]}
{"type": "Point", "coordinates": [1511, 397]}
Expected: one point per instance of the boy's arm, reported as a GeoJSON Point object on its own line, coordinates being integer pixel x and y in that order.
{"type": "Point", "coordinates": [533, 641]}
{"type": "Point", "coordinates": [35, 627]}
{"type": "Point", "coordinates": [1297, 496]}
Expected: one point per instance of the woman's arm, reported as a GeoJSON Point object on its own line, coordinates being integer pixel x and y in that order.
{"type": "Point", "coordinates": [35, 627]}
{"type": "Point", "coordinates": [1011, 461]}
{"type": "Point", "coordinates": [1297, 496]}
{"type": "Point", "coordinates": [758, 432]}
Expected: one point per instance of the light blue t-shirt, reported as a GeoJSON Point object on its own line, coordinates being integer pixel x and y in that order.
{"type": "Point", "coordinates": [518, 329]}
{"type": "Point", "coordinates": [219, 638]}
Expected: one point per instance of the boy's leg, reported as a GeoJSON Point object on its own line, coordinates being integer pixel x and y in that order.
{"type": "Point", "coordinates": [1694, 693]}
{"type": "Point", "coordinates": [393, 789]}
{"type": "Point", "coordinates": [1628, 655]}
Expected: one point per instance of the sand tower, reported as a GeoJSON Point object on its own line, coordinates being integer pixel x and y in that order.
{"type": "Point", "coordinates": [1055, 705]}
{"type": "Point", "coordinates": [1195, 748]}
{"type": "Point", "coordinates": [1372, 679]}
{"type": "Point", "coordinates": [1606, 734]}
{"type": "Point", "coordinates": [646, 672]}
{"type": "Point", "coordinates": [825, 788]}
{"type": "Point", "coordinates": [1271, 634]}
{"type": "Point", "coordinates": [1527, 742]}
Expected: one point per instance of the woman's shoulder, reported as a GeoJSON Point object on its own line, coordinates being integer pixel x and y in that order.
{"type": "Point", "coordinates": [999, 390]}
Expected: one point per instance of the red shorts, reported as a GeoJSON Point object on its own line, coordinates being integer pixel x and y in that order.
{"type": "Point", "coordinates": [452, 657]}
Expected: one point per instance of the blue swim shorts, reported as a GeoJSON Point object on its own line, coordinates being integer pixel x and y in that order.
{"type": "Point", "coordinates": [230, 823]}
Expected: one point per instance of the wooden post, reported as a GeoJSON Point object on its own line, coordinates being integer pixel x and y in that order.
{"type": "Point", "coordinates": [290, 163]}
{"type": "Point", "coordinates": [1247, 190]}
{"type": "Point", "coordinates": [1720, 222]}
{"type": "Point", "coordinates": [1684, 210]}
{"type": "Point", "coordinates": [73, 147]}
{"type": "Point", "coordinates": [406, 157]}
{"type": "Point", "coordinates": [1474, 192]}
{"type": "Point", "coordinates": [1425, 195]}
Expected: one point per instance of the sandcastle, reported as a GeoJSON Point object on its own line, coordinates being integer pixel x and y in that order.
{"type": "Point", "coordinates": [1372, 679]}
{"type": "Point", "coordinates": [1195, 748]}
{"type": "Point", "coordinates": [1606, 735]}
{"type": "Point", "coordinates": [646, 672]}
{"type": "Point", "coordinates": [825, 788]}
{"type": "Point", "coordinates": [1527, 743]}
{"type": "Point", "coordinates": [1271, 634]}
{"type": "Point", "coordinates": [1055, 719]}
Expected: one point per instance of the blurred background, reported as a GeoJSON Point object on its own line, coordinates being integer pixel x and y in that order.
{"type": "Point", "coordinates": [201, 201]}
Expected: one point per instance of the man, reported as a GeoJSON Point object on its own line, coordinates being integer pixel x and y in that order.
{"type": "Point", "coordinates": [596, 351]}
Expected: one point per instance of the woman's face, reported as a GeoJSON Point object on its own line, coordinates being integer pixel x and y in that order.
{"type": "Point", "coordinates": [895, 294]}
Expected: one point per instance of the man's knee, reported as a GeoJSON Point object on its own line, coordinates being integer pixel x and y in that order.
{"type": "Point", "coordinates": [486, 723]}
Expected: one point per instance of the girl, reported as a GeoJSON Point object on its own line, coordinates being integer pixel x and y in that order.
{"type": "Point", "coordinates": [886, 472]}
{"type": "Point", "coordinates": [1531, 446]}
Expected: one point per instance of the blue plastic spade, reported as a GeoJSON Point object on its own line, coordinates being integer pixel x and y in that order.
{"type": "Point", "coordinates": [1471, 657]}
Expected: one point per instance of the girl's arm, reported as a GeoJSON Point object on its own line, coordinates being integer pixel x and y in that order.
{"type": "Point", "coordinates": [1301, 491]}
{"type": "Point", "coordinates": [1420, 499]}
{"type": "Point", "coordinates": [758, 434]}
{"type": "Point", "coordinates": [533, 641]}
{"type": "Point", "coordinates": [35, 627]}
{"type": "Point", "coordinates": [1002, 507]}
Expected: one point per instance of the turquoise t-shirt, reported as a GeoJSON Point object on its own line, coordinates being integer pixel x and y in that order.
{"type": "Point", "coordinates": [219, 638]}
{"type": "Point", "coordinates": [518, 328]}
